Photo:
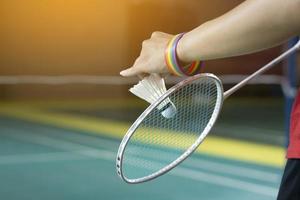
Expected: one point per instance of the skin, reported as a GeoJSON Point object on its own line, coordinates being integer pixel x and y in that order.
{"type": "Point", "coordinates": [252, 26]}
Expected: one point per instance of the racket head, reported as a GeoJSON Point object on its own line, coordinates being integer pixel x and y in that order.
{"type": "Point", "coordinates": [134, 143]}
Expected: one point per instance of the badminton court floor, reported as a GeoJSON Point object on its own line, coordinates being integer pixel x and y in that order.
{"type": "Point", "coordinates": [52, 152]}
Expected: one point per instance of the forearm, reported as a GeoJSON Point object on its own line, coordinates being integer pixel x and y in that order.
{"type": "Point", "coordinates": [254, 25]}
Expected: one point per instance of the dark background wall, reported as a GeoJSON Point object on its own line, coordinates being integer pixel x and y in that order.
{"type": "Point", "coordinates": [97, 37]}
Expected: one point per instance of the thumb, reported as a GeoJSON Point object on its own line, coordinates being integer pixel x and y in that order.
{"type": "Point", "coordinates": [129, 72]}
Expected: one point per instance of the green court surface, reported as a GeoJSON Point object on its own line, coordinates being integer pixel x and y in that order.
{"type": "Point", "coordinates": [67, 151]}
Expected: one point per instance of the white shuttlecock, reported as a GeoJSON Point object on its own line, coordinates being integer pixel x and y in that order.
{"type": "Point", "coordinates": [150, 89]}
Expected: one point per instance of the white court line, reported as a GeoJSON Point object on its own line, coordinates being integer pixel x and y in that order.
{"type": "Point", "coordinates": [181, 171]}
{"type": "Point", "coordinates": [212, 179]}
{"type": "Point", "coordinates": [40, 157]}
{"type": "Point", "coordinates": [191, 161]}
{"type": "Point", "coordinates": [117, 80]}
{"type": "Point", "coordinates": [224, 181]}
{"type": "Point", "coordinates": [215, 167]}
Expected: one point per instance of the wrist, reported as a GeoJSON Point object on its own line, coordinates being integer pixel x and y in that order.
{"type": "Point", "coordinates": [176, 66]}
{"type": "Point", "coordinates": [182, 51]}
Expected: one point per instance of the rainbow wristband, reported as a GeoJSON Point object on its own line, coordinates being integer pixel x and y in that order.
{"type": "Point", "coordinates": [172, 60]}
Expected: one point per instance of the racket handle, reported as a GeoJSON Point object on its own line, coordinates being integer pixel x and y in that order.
{"type": "Point", "coordinates": [262, 70]}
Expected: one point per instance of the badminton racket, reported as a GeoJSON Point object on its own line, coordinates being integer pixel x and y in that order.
{"type": "Point", "coordinates": [154, 145]}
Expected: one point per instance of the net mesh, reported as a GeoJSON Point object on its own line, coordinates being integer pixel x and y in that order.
{"type": "Point", "coordinates": [158, 141]}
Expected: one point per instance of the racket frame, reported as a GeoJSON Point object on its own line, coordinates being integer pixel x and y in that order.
{"type": "Point", "coordinates": [191, 149]}
{"type": "Point", "coordinates": [221, 97]}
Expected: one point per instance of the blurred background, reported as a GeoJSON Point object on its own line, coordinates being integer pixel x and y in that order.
{"type": "Point", "coordinates": [46, 130]}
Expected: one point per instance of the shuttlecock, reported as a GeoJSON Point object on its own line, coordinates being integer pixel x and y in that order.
{"type": "Point", "coordinates": [150, 89]}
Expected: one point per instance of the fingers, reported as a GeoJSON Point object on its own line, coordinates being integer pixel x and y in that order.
{"type": "Point", "coordinates": [152, 56]}
{"type": "Point", "coordinates": [132, 71]}
{"type": "Point", "coordinates": [129, 72]}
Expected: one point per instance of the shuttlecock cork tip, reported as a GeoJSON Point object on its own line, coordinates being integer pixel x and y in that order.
{"type": "Point", "coordinates": [170, 111]}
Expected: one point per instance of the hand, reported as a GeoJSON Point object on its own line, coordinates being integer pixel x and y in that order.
{"type": "Point", "coordinates": [152, 57]}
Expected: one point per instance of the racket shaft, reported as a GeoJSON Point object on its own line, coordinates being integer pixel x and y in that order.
{"type": "Point", "coordinates": [262, 70]}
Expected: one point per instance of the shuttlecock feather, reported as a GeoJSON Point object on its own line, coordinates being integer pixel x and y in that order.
{"type": "Point", "coordinates": [152, 88]}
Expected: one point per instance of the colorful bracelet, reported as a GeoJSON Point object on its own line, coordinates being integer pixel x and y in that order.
{"type": "Point", "coordinates": [172, 60]}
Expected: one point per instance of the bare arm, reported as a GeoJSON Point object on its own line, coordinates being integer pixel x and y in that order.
{"type": "Point", "coordinates": [252, 26]}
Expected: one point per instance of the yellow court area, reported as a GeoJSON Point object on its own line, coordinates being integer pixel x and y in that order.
{"type": "Point", "coordinates": [40, 112]}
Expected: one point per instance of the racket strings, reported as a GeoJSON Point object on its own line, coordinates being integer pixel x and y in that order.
{"type": "Point", "coordinates": [157, 135]}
